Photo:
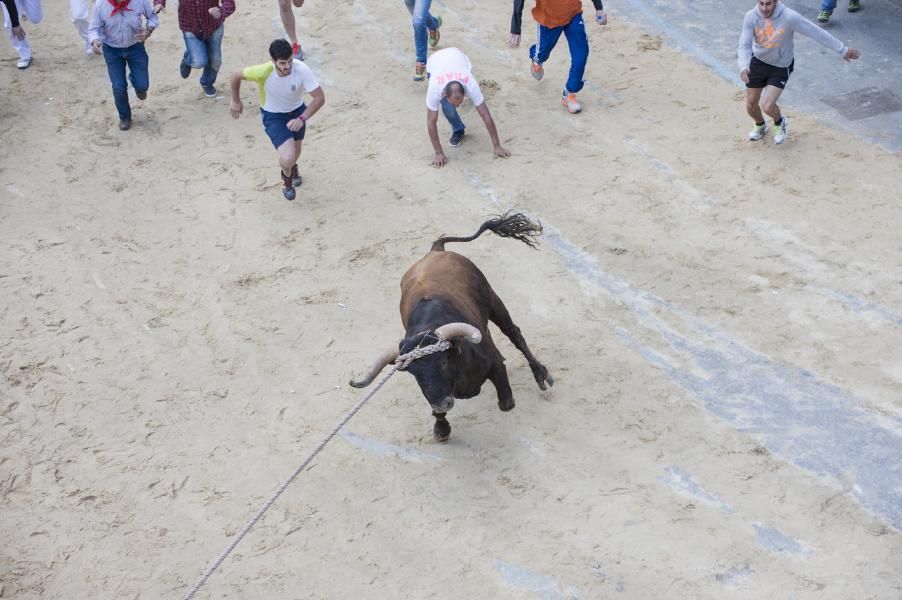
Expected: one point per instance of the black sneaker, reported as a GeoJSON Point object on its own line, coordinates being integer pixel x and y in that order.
{"type": "Point", "coordinates": [296, 178]}
{"type": "Point", "coordinates": [184, 70]}
{"type": "Point", "coordinates": [287, 186]}
{"type": "Point", "coordinates": [456, 138]}
{"type": "Point", "coordinates": [209, 91]}
{"type": "Point", "coordinates": [141, 94]}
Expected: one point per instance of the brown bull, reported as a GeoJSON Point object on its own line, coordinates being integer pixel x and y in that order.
{"type": "Point", "coordinates": [445, 296]}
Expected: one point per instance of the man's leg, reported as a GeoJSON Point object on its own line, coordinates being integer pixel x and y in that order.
{"type": "Point", "coordinates": [138, 66]}
{"type": "Point", "coordinates": [422, 23]}
{"type": "Point", "coordinates": [289, 152]}
{"type": "Point", "coordinates": [769, 102]}
{"type": "Point", "coordinates": [752, 107]}
{"type": "Point", "coordinates": [213, 55]}
{"type": "Point", "coordinates": [578, 41]}
{"type": "Point", "coordinates": [78, 9]}
{"type": "Point", "coordinates": [288, 21]}
{"type": "Point", "coordinates": [457, 125]}
{"type": "Point", "coordinates": [827, 7]}
{"type": "Point", "coordinates": [540, 51]}
{"type": "Point", "coordinates": [21, 46]}
{"type": "Point", "coordinates": [115, 66]}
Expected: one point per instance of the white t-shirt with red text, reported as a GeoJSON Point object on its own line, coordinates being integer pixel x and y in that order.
{"type": "Point", "coordinates": [446, 66]}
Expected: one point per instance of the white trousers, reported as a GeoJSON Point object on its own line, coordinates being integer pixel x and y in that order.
{"type": "Point", "coordinates": [81, 17]}
{"type": "Point", "coordinates": [29, 10]}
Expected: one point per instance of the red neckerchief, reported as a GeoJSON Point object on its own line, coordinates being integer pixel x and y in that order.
{"type": "Point", "coordinates": [120, 6]}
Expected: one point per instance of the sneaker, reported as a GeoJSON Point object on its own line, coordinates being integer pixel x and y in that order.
{"type": "Point", "coordinates": [570, 103]}
{"type": "Point", "coordinates": [184, 70]}
{"type": "Point", "coordinates": [419, 73]}
{"type": "Point", "coordinates": [296, 51]}
{"type": "Point", "coordinates": [757, 132]}
{"type": "Point", "coordinates": [537, 71]}
{"type": "Point", "coordinates": [434, 34]}
{"type": "Point", "coordinates": [24, 63]}
{"type": "Point", "coordinates": [209, 91]}
{"type": "Point", "coordinates": [781, 131]}
{"type": "Point", "coordinates": [125, 124]}
{"type": "Point", "coordinates": [287, 186]}
{"type": "Point", "coordinates": [824, 16]}
{"type": "Point", "coordinates": [141, 94]}
{"type": "Point", "coordinates": [854, 5]}
{"type": "Point", "coordinates": [296, 178]}
{"type": "Point", "coordinates": [456, 138]}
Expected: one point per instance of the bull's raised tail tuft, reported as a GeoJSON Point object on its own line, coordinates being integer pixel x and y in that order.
{"type": "Point", "coordinates": [509, 225]}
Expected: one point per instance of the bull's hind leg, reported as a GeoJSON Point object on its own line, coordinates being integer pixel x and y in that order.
{"type": "Point", "coordinates": [500, 317]}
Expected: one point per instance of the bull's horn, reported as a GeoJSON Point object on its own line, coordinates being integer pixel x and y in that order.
{"type": "Point", "coordinates": [385, 358]}
{"type": "Point", "coordinates": [453, 330]}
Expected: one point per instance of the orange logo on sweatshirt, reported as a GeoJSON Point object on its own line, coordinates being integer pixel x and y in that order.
{"type": "Point", "coordinates": [768, 36]}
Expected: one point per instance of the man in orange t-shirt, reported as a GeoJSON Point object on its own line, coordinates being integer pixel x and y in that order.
{"type": "Point", "coordinates": [555, 17]}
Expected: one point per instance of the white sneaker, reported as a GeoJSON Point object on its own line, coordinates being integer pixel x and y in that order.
{"type": "Point", "coordinates": [24, 63]}
{"type": "Point", "coordinates": [757, 132]}
{"type": "Point", "coordinates": [781, 131]}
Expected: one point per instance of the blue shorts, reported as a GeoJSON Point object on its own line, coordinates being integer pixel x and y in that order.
{"type": "Point", "coordinates": [276, 125]}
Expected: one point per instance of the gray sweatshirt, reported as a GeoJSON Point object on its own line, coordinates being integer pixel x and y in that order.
{"type": "Point", "coordinates": [770, 40]}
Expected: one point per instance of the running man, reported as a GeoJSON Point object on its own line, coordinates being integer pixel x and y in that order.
{"type": "Point", "coordinates": [555, 17]}
{"type": "Point", "coordinates": [12, 11]}
{"type": "Point", "coordinates": [450, 80]}
{"type": "Point", "coordinates": [287, 15]}
{"type": "Point", "coordinates": [119, 30]}
{"type": "Point", "coordinates": [282, 83]}
{"type": "Point", "coordinates": [766, 60]}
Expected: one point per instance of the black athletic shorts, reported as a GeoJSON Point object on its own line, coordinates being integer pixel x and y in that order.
{"type": "Point", "coordinates": [762, 74]}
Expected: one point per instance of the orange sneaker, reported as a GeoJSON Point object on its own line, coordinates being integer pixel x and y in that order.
{"type": "Point", "coordinates": [419, 73]}
{"type": "Point", "coordinates": [569, 102]}
{"type": "Point", "coordinates": [537, 71]}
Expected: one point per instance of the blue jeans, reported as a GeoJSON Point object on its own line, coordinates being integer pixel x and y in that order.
{"type": "Point", "coordinates": [422, 23]}
{"type": "Point", "coordinates": [578, 41]}
{"type": "Point", "coordinates": [204, 54]}
{"type": "Point", "coordinates": [828, 4]}
{"type": "Point", "coordinates": [135, 58]}
{"type": "Point", "coordinates": [452, 116]}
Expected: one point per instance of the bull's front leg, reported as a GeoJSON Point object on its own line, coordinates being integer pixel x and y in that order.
{"type": "Point", "coordinates": [500, 317]}
{"type": "Point", "coordinates": [498, 376]}
{"type": "Point", "coordinates": [442, 429]}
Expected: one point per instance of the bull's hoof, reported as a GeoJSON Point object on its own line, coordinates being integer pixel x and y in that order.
{"type": "Point", "coordinates": [542, 376]}
{"type": "Point", "coordinates": [506, 405]}
{"type": "Point", "coordinates": [441, 431]}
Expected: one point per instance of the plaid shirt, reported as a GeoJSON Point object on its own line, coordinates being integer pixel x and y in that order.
{"type": "Point", "coordinates": [195, 18]}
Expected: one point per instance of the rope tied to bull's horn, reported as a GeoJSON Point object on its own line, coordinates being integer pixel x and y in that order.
{"type": "Point", "coordinates": [401, 363]}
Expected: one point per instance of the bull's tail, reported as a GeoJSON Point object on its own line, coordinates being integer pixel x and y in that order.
{"type": "Point", "coordinates": [509, 225]}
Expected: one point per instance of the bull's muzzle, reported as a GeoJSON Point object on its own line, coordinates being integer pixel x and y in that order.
{"type": "Point", "coordinates": [443, 405]}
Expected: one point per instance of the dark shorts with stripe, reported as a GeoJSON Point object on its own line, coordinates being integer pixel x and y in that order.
{"type": "Point", "coordinates": [276, 125]}
{"type": "Point", "coordinates": [762, 74]}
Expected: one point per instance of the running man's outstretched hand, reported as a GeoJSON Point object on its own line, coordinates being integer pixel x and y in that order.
{"type": "Point", "coordinates": [439, 160]}
{"type": "Point", "coordinates": [601, 18]}
{"type": "Point", "coordinates": [236, 107]}
{"type": "Point", "coordinates": [852, 54]}
{"type": "Point", "coordinates": [501, 152]}
{"type": "Point", "coordinates": [18, 32]}
{"type": "Point", "coordinates": [744, 76]}
{"type": "Point", "coordinates": [515, 40]}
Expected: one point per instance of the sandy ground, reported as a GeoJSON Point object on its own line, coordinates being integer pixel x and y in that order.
{"type": "Point", "coordinates": [723, 320]}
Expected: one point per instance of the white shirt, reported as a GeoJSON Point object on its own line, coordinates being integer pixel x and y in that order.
{"type": "Point", "coordinates": [281, 94]}
{"type": "Point", "coordinates": [446, 66]}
